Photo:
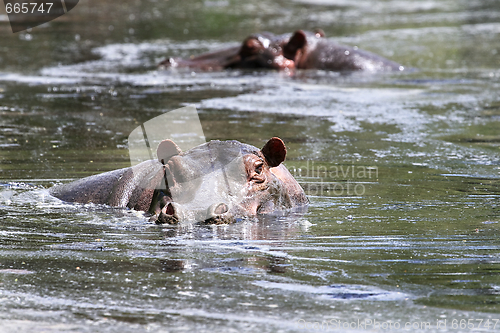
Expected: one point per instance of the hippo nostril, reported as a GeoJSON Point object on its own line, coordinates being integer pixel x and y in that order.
{"type": "Point", "coordinates": [219, 214]}
{"type": "Point", "coordinates": [167, 215]}
{"type": "Point", "coordinates": [221, 209]}
{"type": "Point", "coordinates": [170, 209]}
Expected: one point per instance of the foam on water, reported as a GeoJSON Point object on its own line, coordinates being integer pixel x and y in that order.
{"type": "Point", "coordinates": [385, 6]}
{"type": "Point", "coordinates": [346, 108]}
{"type": "Point", "coordinates": [337, 292]}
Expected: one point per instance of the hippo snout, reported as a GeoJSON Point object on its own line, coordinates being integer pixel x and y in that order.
{"type": "Point", "coordinates": [172, 213]}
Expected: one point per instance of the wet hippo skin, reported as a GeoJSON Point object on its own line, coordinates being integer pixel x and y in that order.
{"type": "Point", "coordinates": [300, 50]}
{"type": "Point", "coordinates": [312, 51]}
{"type": "Point", "coordinates": [216, 182]}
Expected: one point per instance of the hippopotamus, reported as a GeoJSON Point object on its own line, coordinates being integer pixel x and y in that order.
{"type": "Point", "coordinates": [216, 182]}
{"type": "Point", "coordinates": [300, 50]}
{"type": "Point", "coordinates": [257, 51]}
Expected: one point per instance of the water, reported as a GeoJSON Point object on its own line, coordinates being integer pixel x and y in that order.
{"type": "Point", "coordinates": [402, 170]}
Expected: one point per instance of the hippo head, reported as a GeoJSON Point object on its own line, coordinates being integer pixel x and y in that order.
{"type": "Point", "coordinates": [263, 51]}
{"type": "Point", "coordinates": [221, 181]}
{"type": "Point", "coordinates": [280, 52]}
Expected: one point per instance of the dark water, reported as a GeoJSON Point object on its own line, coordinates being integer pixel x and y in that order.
{"type": "Point", "coordinates": [402, 170]}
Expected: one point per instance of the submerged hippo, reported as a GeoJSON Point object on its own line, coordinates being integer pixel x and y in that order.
{"type": "Point", "coordinates": [257, 51]}
{"type": "Point", "coordinates": [301, 50]}
{"type": "Point", "coordinates": [216, 182]}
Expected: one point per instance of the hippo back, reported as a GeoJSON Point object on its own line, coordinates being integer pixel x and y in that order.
{"type": "Point", "coordinates": [131, 187]}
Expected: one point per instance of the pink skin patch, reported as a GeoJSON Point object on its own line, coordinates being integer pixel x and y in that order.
{"type": "Point", "coordinates": [283, 63]}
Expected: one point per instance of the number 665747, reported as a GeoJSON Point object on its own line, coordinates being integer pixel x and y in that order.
{"type": "Point", "coordinates": [29, 7]}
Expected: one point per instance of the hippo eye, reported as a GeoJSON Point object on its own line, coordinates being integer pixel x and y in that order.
{"type": "Point", "coordinates": [258, 169]}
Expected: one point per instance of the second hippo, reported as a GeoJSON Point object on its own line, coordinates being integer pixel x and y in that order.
{"type": "Point", "coordinates": [300, 50]}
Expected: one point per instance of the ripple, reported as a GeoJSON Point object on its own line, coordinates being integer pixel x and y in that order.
{"type": "Point", "coordinates": [337, 292]}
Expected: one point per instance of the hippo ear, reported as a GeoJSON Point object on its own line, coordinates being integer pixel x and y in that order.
{"type": "Point", "coordinates": [296, 42]}
{"type": "Point", "coordinates": [250, 47]}
{"type": "Point", "coordinates": [167, 149]}
{"type": "Point", "coordinates": [274, 151]}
